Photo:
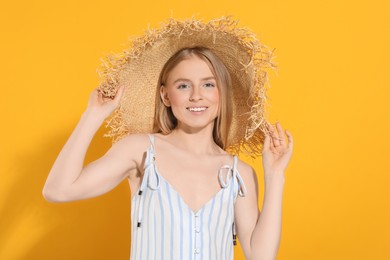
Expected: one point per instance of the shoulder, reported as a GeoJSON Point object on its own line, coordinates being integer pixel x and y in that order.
{"type": "Point", "coordinates": [247, 173]}
{"type": "Point", "coordinates": [244, 167]}
{"type": "Point", "coordinates": [133, 146]}
{"type": "Point", "coordinates": [131, 152]}
{"type": "Point", "coordinates": [138, 140]}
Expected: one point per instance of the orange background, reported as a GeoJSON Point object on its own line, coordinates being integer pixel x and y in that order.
{"type": "Point", "coordinates": [331, 91]}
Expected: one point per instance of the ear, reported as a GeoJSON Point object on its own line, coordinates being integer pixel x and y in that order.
{"type": "Point", "coordinates": [164, 96]}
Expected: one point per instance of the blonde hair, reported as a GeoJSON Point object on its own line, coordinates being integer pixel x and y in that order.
{"type": "Point", "coordinates": [165, 121]}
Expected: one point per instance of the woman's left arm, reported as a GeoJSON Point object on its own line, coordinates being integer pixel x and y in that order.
{"type": "Point", "coordinates": [259, 234]}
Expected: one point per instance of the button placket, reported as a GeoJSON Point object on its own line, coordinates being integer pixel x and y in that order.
{"type": "Point", "coordinates": [197, 235]}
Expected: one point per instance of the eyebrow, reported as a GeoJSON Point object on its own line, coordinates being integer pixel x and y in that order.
{"type": "Point", "coordinates": [187, 80]}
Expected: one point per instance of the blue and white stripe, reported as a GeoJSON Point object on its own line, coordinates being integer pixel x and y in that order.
{"type": "Point", "coordinates": [164, 226]}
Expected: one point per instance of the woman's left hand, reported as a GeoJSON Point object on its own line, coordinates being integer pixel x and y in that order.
{"type": "Point", "coordinates": [276, 151]}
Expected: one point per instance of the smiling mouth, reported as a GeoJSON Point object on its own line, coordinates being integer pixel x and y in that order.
{"type": "Point", "coordinates": [196, 109]}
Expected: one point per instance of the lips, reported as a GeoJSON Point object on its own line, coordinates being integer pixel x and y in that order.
{"type": "Point", "coordinates": [196, 109]}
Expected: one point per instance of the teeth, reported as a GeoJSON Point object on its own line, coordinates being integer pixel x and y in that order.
{"type": "Point", "coordinates": [196, 109]}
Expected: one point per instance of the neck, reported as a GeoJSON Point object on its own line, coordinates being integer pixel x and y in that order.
{"type": "Point", "coordinates": [197, 142]}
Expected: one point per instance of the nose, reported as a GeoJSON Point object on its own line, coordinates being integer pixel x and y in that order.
{"type": "Point", "coordinates": [196, 94]}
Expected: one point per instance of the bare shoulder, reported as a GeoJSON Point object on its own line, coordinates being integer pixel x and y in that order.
{"type": "Point", "coordinates": [131, 147]}
{"type": "Point", "coordinates": [133, 142]}
{"type": "Point", "coordinates": [248, 174]}
{"type": "Point", "coordinates": [243, 167]}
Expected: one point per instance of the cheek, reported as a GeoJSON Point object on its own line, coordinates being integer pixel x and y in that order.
{"type": "Point", "coordinates": [176, 98]}
{"type": "Point", "coordinates": [214, 96]}
{"type": "Point", "coordinates": [217, 96]}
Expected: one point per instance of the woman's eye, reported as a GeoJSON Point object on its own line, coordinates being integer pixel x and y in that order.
{"type": "Point", "coordinates": [209, 85]}
{"type": "Point", "coordinates": [181, 86]}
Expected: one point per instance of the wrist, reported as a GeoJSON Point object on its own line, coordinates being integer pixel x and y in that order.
{"type": "Point", "coordinates": [92, 118]}
{"type": "Point", "coordinates": [93, 114]}
{"type": "Point", "coordinates": [274, 178]}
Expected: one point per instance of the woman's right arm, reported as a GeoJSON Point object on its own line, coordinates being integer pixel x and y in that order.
{"type": "Point", "coordinates": [68, 180]}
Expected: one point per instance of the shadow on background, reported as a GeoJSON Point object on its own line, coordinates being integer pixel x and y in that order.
{"type": "Point", "coordinates": [62, 230]}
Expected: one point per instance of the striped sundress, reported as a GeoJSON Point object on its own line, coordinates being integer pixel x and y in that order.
{"type": "Point", "coordinates": [165, 227]}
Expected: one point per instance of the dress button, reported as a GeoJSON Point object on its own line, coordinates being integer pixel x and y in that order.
{"type": "Point", "coordinates": [197, 251]}
{"type": "Point", "coordinates": [197, 230]}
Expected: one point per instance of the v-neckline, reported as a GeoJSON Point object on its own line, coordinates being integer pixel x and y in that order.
{"type": "Point", "coordinates": [152, 152]}
{"type": "Point", "coordinates": [182, 199]}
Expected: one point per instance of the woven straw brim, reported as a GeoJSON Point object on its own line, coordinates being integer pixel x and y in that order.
{"type": "Point", "coordinates": [138, 68]}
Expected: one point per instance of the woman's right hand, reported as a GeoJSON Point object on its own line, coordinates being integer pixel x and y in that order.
{"type": "Point", "coordinates": [103, 106]}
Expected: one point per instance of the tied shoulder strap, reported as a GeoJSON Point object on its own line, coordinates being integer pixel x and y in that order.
{"type": "Point", "coordinates": [241, 192]}
{"type": "Point", "coordinates": [240, 182]}
{"type": "Point", "coordinates": [150, 178]}
{"type": "Point", "coordinates": [227, 173]}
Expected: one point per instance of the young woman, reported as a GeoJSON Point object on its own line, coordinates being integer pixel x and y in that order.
{"type": "Point", "coordinates": [189, 195]}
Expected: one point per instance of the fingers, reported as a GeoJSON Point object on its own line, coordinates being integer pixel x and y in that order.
{"type": "Point", "coordinates": [277, 137]}
{"type": "Point", "coordinates": [104, 99]}
{"type": "Point", "coordinates": [267, 141]}
{"type": "Point", "coordinates": [100, 96]}
{"type": "Point", "coordinates": [290, 140]}
{"type": "Point", "coordinates": [119, 93]}
{"type": "Point", "coordinates": [274, 136]}
{"type": "Point", "coordinates": [282, 139]}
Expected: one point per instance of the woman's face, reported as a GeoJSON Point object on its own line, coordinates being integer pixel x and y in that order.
{"type": "Point", "coordinates": [192, 93]}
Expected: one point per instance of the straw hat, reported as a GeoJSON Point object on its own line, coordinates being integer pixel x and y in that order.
{"type": "Point", "coordinates": [138, 68]}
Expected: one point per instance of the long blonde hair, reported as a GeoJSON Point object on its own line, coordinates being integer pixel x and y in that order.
{"type": "Point", "coordinates": [165, 121]}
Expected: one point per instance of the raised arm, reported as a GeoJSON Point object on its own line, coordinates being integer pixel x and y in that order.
{"type": "Point", "coordinates": [68, 180]}
{"type": "Point", "coordinates": [259, 233]}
